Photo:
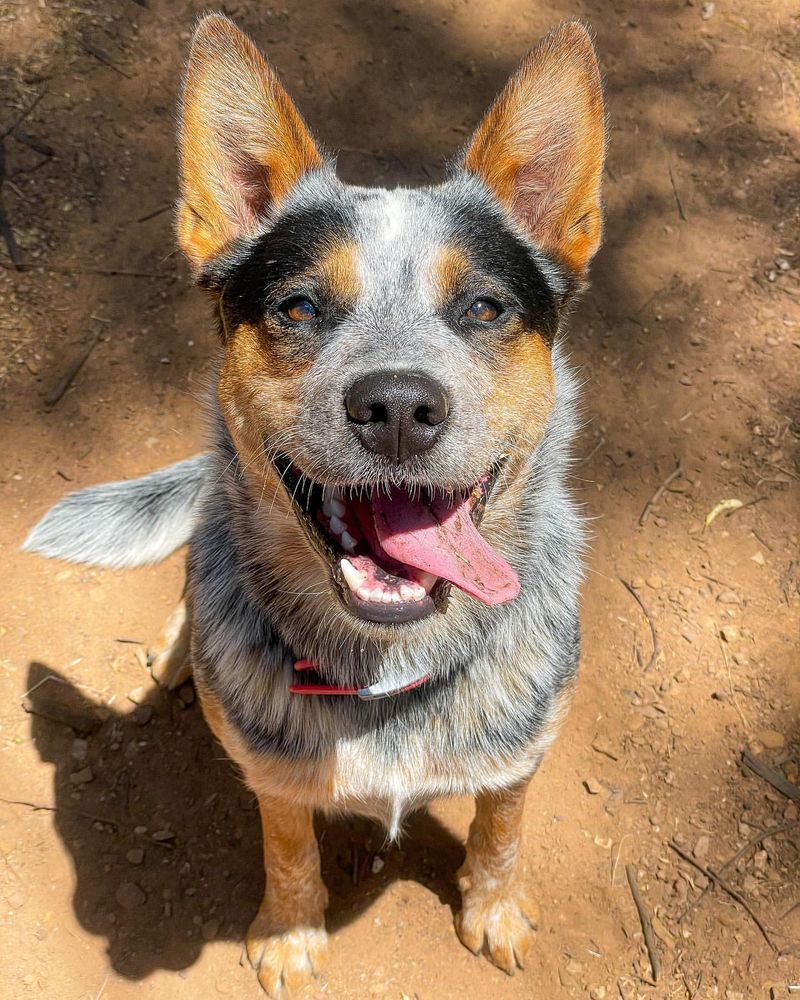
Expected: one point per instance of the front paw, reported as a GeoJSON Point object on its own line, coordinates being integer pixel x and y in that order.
{"type": "Point", "coordinates": [285, 961]}
{"type": "Point", "coordinates": [500, 922]}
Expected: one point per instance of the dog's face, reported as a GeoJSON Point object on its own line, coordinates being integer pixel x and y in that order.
{"type": "Point", "coordinates": [388, 353]}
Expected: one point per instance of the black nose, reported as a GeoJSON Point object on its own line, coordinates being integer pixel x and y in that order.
{"type": "Point", "coordinates": [397, 414]}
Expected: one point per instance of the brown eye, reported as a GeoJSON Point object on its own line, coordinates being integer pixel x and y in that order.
{"type": "Point", "coordinates": [299, 310]}
{"type": "Point", "coordinates": [483, 310]}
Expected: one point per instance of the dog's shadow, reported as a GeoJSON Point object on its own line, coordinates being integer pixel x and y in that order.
{"type": "Point", "coordinates": [166, 840]}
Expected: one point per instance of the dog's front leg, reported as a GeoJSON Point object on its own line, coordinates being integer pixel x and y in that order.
{"type": "Point", "coordinates": [286, 942]}
{"type": "Point", "coordinates": [496, 912]}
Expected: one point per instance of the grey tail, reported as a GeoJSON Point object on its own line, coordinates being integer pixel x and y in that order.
{"type": "Point", "coordinates": [130, 523]}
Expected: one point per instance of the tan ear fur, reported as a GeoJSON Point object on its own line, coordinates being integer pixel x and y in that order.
{"type": "Point", "coordinates": [243, 144]}
{"type": "Point", "coordinates": [540, 147]}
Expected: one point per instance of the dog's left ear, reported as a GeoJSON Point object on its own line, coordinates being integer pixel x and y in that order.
{"type": "Point", "coordinates": [243, 144]}
{"type": "Point", "coordinates": [541, 146]}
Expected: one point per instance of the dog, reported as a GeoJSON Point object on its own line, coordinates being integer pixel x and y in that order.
{"type": "Point", "coordinates": [382, 602]}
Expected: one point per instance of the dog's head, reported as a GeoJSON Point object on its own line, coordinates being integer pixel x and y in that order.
{"type": "Point", "coordinates": [387, 369]}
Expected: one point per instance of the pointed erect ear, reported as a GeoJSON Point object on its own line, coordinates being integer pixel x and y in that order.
{"type": "Point", "coordinates": [243, 144]}
{"type": "Point", "coordinates": [540, 147]}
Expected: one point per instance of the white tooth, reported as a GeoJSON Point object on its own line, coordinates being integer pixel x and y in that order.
{"type": "Point", "coordinates": [406, 592]}
{"type": "Point", "coordinates": [337, 526]}
{"type": "Point", "coordinates": [396, 598]}
{"type": "Point", "coordinates": [347, 540]}
{"type": "Point", "coordinates": [419, 593]}
{"type": "Point", "coordinates": [353, 576]}
{"type": "Point", "coordinates": [337, 507]}
{"type": "Point", "coordinates": [327, 508]}
{"type": "Point", "coordinates": [377, 595]}
{"type": "Point", "coordinates": [427, 580]}
{"type": "Point", "coordinates": [386, 597]}
{"type": "Point", "coordinates": [364, 593]}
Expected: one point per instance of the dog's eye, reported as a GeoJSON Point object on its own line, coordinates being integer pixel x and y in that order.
{"type": "Point", "coordinates": [298, 309]}
{"type": "Point", "coordinates": [483, 310]}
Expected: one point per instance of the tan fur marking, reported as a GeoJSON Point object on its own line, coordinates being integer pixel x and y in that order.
{"type": "Point", "coordinates": [524, 394]}
{"type": "Point", "coordinates": [339, 272]}
{"type": "Point", "coordinates": [496, 910]}
{"type": "Point", "coordinates": [450, 268]}
{"type": "Point", "coordinates": [541, 146]}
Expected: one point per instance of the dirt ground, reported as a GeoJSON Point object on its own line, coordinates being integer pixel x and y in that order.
{"type": "Point", "coordinates": [130, 850]}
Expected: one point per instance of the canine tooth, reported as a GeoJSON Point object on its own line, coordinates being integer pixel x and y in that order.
{"type": "Point", "coordinates": [337, 525]}
{"type": "Point", "coordinates": [347, 540]}
{"type": "Point", "coordinates": [353, 576]}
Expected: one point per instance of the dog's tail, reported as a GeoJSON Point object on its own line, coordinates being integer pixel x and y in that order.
{"type": "Point", "coordinates": [130, 523]}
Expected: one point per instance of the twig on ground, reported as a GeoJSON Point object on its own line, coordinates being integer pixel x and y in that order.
{"type": "Point", "coordinates": [743, 851]}
{"type": "Point", "coordinates": [648, 507]}
{"type": "Point", "coordinates": [58, 390]}
{"type": "Point", "coordinates": [22, 115]}
{"type": "Point", "coordinates": [103, 271]}
{"type": "Point", "coordinates": [734, 699]}
{"type": "Point", "coordinates": [656, 654]}
{"type": "Point", "coordinates": [677, 196]}
{"type": "Point", "coordinates": [157, 211]}
{"type": "Point", "coordinates": [593, 452]}
{"type": "Point", "coordinates": [771, 776]}
{"type": "Point", "coordinates": [41, 807]}
{"type": "Point", "coordinates": [644, 920]}
{"type": "Point", "coordinates": [104, 58]}
{"type": "Point", "coordinates": [728, 888]}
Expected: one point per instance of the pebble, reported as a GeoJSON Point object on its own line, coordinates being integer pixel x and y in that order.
{"type": "Point", "coordinates": [758, 558]}
{"type": "Point", "coordinates": [129, 896]}
{"type": "Point", "coordinates": [730, 633]}
{"type": "Point", "coordinates": [15, 899]}
{"type": "Point", "coordinates": [378, 865]}
{"type": "Point", "coordinates": [685, 380]}
{"type": "Point", "coordinates": [186, 694]}
{"type": "Point", "coordinates": [163, 835]}
{"type": "Point", "coordinates": [82, 777]}
{"type": "Point", "coordinates": [592, 786]}
{"type": "Point", "coordinates": [210, 929]}
{"type": "Point", "coordinates": [728, 597]}
{"type": "Point", "coordinates": [142, 714]}
{"type": "Point", "coordinates": [598, 993]}
{"type": "Point", "coordinates": [135, 855]}
{"type": "Point", "coordinates": [701, 848]}
{"type": "Point", "coordinates": [137, 695]}
{"type": "Point", "coordinates": [771, 738]}
{"type": "Point", "coordinates": [654, 582]}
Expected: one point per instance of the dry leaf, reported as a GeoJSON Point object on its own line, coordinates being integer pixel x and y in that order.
{"type": "Point", "coordinates": [720, 508]}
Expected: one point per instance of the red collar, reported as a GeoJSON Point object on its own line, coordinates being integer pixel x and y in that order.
{"type": "Point", "coordinates": [381, 689]}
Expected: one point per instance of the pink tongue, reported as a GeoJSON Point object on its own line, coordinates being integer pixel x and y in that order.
{"type": "Point", "coordinates": [443, 540]}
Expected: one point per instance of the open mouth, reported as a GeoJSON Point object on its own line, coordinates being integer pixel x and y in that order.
{"type": "Point", "coordinates": [394, 554]}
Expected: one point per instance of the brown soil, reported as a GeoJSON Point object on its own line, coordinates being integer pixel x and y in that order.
{"type": "Point", "coordinates": [689, 348]}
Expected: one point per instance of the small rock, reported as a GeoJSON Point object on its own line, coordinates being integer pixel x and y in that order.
{"type": "Point", "coordinates": [728, 597]}
{"type": "Point", "coordinates": [135, 855]}
{"type": "Point", "coordinates": [15, 899]}
{"type": "Point", "coordinates": [598, 993]}
{"type": "Point", "coordinates": [685, 380]}
{"type": "Point", "coordinates": [129, 896]}
{"type": "Point", "coordinates": [79, 749]}
{"type": "Point", "coordinates": [654, 582]}
{"type": "Point", "coordinates": [730, 633]}
{"type": "Point", "coordinates": [142, 714]}
{"type": "Point", "coordinates": [707, 10]}
{"type": "Point", "coordinates": [758, 558]}
{"type": "Point", "coordinates": [720, 696]}
{"type": "Point", "coordinates": [137, 695]}
{"type": "Point", "coordinates": [186, 694]}
{"type": "Point", "coordinates": [209, 929]}
{"type": "Point", "coordinates": [82, 777]}
{"type": "Point", "coordinates": [701, 848]}
{"type": "Point", "coordinates": [163, 835]}
{"type": "Point", "coordinates": [771, 738]}
{"type": "Point", "coordinates": [378, 865]}
{"type": "Point", "coordinates": [592, 786]}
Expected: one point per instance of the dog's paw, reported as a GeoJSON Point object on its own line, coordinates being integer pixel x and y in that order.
{"type": "Point", "coordinates": [502, 924]}
{"type": "Point", "coordinates": [286, 962]}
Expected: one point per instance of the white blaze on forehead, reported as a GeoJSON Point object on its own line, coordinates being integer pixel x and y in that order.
{"type": "Point", "coordinates": [394, 215]}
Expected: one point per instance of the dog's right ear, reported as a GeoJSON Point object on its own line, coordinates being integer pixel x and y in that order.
{"type": "Point", "coordinates": [243, 144]}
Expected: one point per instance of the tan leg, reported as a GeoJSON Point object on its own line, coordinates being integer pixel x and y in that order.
{"type": "Point", "coordinates": [168, 657]}
{"type": "Point", "coordinates": [496, 912]}
{"type": "Point", "coordinates": [286, 942]}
